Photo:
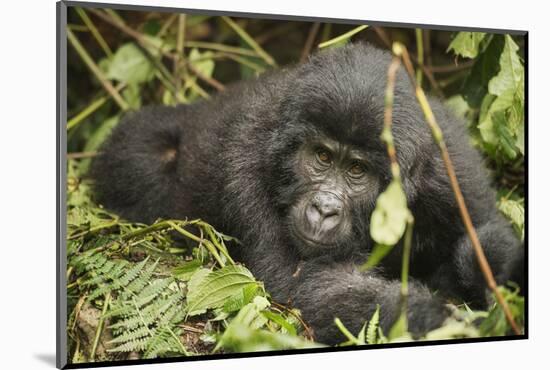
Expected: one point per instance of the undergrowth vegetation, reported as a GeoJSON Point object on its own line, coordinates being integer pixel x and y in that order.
{"type": "Point", "coordinates": [172, 288]}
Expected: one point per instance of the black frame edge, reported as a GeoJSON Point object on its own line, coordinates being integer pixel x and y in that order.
{"type": "Point", "coordinates": [61, 165]}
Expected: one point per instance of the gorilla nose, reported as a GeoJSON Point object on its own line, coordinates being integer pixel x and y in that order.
{"type": "Point", "coordinates": [324, 211]}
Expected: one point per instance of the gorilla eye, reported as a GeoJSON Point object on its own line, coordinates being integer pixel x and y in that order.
{"type": "Point", "coordinates": [357, 169]}
{"type": "Point", "coordinates": [323, 156]}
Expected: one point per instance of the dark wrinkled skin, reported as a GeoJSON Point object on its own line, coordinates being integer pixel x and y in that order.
{"type": "Point", "coordinates": [249, 161]}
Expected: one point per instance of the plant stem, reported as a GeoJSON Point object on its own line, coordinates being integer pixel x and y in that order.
{"type": "Point", "coordinates": [100, 325]}
{"type": "Point", "coordinates": [145, 42]}
{"type": "Point", "coordinates": [419, 55]}
{"type": "Point", "coordinates": [220, 47]}
{"type": "Point", "coordinates": [93, 29]}
{"type": "Point", "coordinates": [250, 41]}
{"type": "Point", "coordinates": [405, 263]}
{"type": "Point", "coordinates": [96, 70]}
{"type": "Point", "coordinates": [345, 331]}
{"type": "Point", "coordinates": [437, 134]}
{"type": "Point", "coordinates": [91, 108]}
{"type": "Point", "coordinates": [342, 37]}
{"type": "Point", "coordinates": [313, 31]}
{"type": "Point", "coordinates": [387, 136]}
{"type": "Point", "coordinates": [179, 56]}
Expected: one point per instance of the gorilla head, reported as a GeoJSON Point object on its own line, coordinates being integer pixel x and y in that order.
{"type": "Point", "coordinates": [325, 152]}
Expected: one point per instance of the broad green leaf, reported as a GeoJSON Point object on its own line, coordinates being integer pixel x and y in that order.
{"type": "Point", "coordinates": [212, 289]}
{"type": "Point", "coordinates": [486, 126]}
{"type": "Point", "coordinates": [186, 270]}
{"type": "Point", "coordinates": [467, 44]}
{"type": "Point", "coordinates": [506, 142]}
{"type": "Point", "coordinates": [389, 219]}
{"type": "Point", "coordinates": [156, 45]}
{"type": "Point", "coordinates": [496, 324]}
{"type": "Point", "coordinates": [520, 140]}
{"type": "Point", "coordinates": [202, 62]}
{"type": "Point", "coordinates": [484, 69]}
{"type": "Point", "coordinates": [511, 69]}
{"type": "Point", "coordinates": [242, 298]}
{"type": "Point", "coordinates": [130, 65]}
{"type": "Point", "coordinates": [458, 105]}
{"type": "Point", "coordinates": [515, 212]}
{"type": "Point", "coordinates": [132, 96]}
{"type": "Point", "coordinates": [245, 339]}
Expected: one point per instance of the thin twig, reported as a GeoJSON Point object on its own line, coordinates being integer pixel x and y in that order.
{"type": "Point", "coordinates": [95, 32]}
{"type": "Point", "coordinates": [405, 263]}
{"type": "Point", "coordinates": [91, 108]}
{"type": "Point", "coordinates": [383, 36]}
{"type": "Point", "coordinates": [307, 328]}
{"type": "Point", "coordinates": [388, 43]}
{"type": "Point", "coordinates": [100, 326]}
{"type": "Point", "coordinates": [250, 41]}
{"type": "Point", "coordinates": [209, 80]}
{"type": "Point", "coordinates": [437, 134]}
{"type": "Point", "coordinates": [140, 38]}
{"type": "Point", "coordinates": [177, 70]}
{"type": "Point", "coordinates": [387, 137]}
{"type": "Point", "coordinates": [450, 68]}
{"type": "Point", "coordinates": [342, 37]}
{"type": "Point", "coordinates": [81, 155]}
{"type": "Point", "coordinates": [220, 47]}
{"type": "Point", "coordinates": [96, 71]}
{"type": "Point", "coordinates": [313, 31]}
{"type": "Point", "coordinates": [280, 29]}
{"type": "Point", "coordinates": [420, 55]}
{"type": "Point", "coordinates": [167, 25]}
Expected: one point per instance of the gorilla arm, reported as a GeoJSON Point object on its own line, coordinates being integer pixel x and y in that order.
{"type": "Point", "coordinates": [323, 293]}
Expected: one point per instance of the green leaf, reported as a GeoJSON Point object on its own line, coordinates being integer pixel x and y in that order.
{"type": "Point", "coordinates": [506, 142]}
{"type": "Point", "coordinates": [186, 270]}
{"type": "Point", "coordinates": [511, 69]}
{"type": "Point", "coordinates": [467, 44]}
{"type": "Point", "coordinates": [487, 126]}
{"type": "Point", "coordinates": [389, 219]}
{"type": "Point", "coordinates": [458, 105]}
{"type": "Point", "coordinates": [378, 253]}
{"type": "Point", "coordinates": [372, 329]}
{"type": "Point", "coordinates": [202, 62]}
{"type": "Point", "coordinates": [239, 300]}
{"type": "Point", "coordinates": [130, 65]}
{"type": "Point", "coordinates": [496, 324]}
{"type": "Point", "coordinates": [515, 212]}
{"type": "Point", "coordinates": [210, 290]}
{"type": "Point", "coordinates": [451, 330]}
{"type": "Point", "coordinates": [280, 320]}
{"type": "Point", "coordinates": [483, 70]}
{"type": "Point", "coordinates": [132, 96]}
{"type": "Point", "coordinates": [520, 140]}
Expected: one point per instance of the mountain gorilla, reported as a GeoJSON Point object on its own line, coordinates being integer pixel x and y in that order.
{"type": "Point", "coordinates": [292, 164]}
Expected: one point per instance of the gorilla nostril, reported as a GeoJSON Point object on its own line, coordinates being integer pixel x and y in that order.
{"type": "Point", "coordinates": [324, 210]}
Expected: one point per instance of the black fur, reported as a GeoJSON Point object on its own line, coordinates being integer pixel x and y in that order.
{"type": "Point", "coordinates": [229, 161]}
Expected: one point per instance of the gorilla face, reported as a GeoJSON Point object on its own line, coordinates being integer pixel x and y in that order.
{"type": "Point", "coordinates": [336, 180]}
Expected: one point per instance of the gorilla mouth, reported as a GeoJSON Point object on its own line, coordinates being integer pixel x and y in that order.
{"type": "Point", "coordinates": [310, 241]}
